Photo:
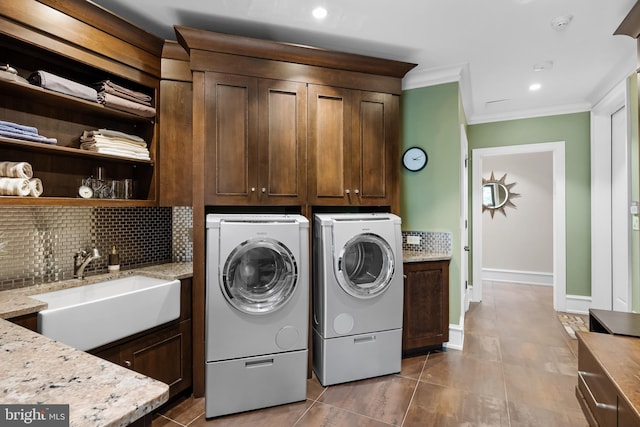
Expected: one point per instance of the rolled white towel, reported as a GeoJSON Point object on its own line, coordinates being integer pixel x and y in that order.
{"type": "Point", "coordinates": [35, 187]}
{"type": "Point", "coordinates": [16, 170]}
{"type": "Point", "coordinates": [14, 187]}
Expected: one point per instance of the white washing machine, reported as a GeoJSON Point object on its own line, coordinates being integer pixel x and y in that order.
{"type": "Point", "coordinates": [257, 311]}
{"type": "Point", "coordinates": [357, 296]}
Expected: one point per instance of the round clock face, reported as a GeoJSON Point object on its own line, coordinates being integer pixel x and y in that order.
{"type": "Point", "coordinates": [85, 192]}
{"type": "Point", "coordinates": [414, 159]}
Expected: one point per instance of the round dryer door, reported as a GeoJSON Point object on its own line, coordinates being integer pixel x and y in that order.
{"type": "Point", "coordinates": [365, 266]}
{"type": "Point", "coordinates": [259, 276]}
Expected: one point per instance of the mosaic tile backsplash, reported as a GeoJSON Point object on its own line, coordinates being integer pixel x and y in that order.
{"type": "Point", "coordinates": [37, 244]}
{"type": "Point", "coordinates": [430, 242]}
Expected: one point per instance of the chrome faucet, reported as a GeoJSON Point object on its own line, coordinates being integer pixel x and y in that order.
{"type": "Point", "coordinates": [81, 260]}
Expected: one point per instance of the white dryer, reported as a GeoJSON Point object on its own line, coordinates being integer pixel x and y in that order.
{"type": "Point", "coordinates": [257, 311]}
{"type": "Point", "coordinates": [357, 296]}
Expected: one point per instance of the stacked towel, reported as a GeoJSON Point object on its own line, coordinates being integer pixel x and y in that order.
{"type": "Point", "coordinates": [60, 84]}
{"type": "Point", "coordinates": [16, 179]}
{"type": "Point", "coordinates": [120, 98]}
{"type": "Point", "coordinates": [107, 141]}
{"type": "Point", "coordinates": [25, 133]}
{"type": "Point", "coordinates": [16, 169]}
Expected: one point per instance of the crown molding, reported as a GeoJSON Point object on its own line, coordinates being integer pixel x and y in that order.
{"type": "Point", "coordinates": [418, 78]}
{"type": "Point", "coordinates": [556, 110]}
{"type": "Point", "coordinates": [431, 77]}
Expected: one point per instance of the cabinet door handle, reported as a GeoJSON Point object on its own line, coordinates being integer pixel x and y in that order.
{"type": "Point", "coordinates": [581, 375]}
{"type": "Point", "coordinates": [356, 191]}
{"type": "Point", "coordinates": [348, 191]}
{"type": "Point", "coordinates": [253, 189]}
{"type": "Point", "coordinates": [264, 190]}
{"type": "Point", "coordinates": [127, 363]}
{"type": "Point", "coordinates": [466, 248]}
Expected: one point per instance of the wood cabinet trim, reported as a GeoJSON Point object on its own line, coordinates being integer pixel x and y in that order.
{"type": "Point", "coordinates": [263, 68]}
{"type": "Point", "coordinates": [95, 15]}
{"type": "Point", "coordinates": [85, 37]}
{"type": "Point", "coordinates": [192, 38]}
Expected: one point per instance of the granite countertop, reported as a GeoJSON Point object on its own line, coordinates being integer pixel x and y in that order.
{"type": "Point", "coordinates": [37, 370]}
{"type": "Point", "coordinates": [418, 256]}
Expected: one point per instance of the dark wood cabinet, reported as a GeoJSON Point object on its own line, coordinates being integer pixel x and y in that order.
{"type": "Point", "coordinates": [163, 353]}
{"type": "Point", "coordinates": [256, 132]}
{"type": "Point", "coordinates": [175, 126]}
{"type": "Point", "coordinates": [29, 321]}
{"type": "Point", "coordinates": [253, 127]}
{"type": "Point", "coordinates": [353, 139]}
{"type": "Point", "coordinates": [79, 49]}
{"type": "Point", "coordinates": [426, 306]}
{"type": "Point", "coordinates": [607, 379]}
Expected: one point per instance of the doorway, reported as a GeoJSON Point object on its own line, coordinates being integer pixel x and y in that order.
{"type": "Point", "coordinates": [557, 150]}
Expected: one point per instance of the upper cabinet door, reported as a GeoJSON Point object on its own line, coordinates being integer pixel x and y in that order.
{"type": "Point", "coordinates": [282, 146]}
{"type": "Point", "coordinates": [329, 145]}
{"type": "Point", "coordinates": [231, 128]}
{"type": "Point", "coordinates": [353, 138]}
{"type": "Point", "coordinates": [374, 139]}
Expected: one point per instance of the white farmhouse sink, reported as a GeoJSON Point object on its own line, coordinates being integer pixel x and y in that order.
{"type": "Point", "coordinates": [86, 317]}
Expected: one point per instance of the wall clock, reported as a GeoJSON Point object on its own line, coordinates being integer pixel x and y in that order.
{"type": "Point", "coordinates": [414, 159]}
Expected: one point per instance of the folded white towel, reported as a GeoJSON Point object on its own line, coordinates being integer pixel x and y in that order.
{"type": "Point", "coordinates": [16, 169]}
{"type": "Point", "coordinates": [14, 187]}
{"type": "Point", "coordinates": [35, 187]}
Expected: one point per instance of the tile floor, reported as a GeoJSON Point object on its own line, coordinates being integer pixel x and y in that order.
{"type": "Point", "coordinates": [518, 368]}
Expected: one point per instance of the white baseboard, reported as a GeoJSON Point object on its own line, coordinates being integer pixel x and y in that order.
{"type": "Point", "coordinates": [578, 304]}
{"type": "Point", "coordinates": [514, 276]}
{"type": "Point", "coordinates": [456, 337]}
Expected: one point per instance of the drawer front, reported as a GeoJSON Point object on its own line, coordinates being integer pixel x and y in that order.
{"type": "Point", "coordinates": [597, 389]}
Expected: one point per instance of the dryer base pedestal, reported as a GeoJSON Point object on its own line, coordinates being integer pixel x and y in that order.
{"type": "Point", "coordinates": [356, 357]}
{"type": "Point", "coordinates": [249, 383]}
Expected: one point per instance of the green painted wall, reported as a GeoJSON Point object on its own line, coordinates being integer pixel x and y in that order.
{"type": "Point", "coordinates": [574, 129]}
{"type": "Point", "coordinates": [430, 198]}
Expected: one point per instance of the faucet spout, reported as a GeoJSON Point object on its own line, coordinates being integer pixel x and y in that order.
{"type": "Point", "coordinates": [81, 260]}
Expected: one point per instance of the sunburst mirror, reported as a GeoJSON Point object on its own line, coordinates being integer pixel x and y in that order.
{"type": "Point", "coordinates": [497, 194]}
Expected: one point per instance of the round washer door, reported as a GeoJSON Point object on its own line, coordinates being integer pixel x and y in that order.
{"type": "Point", "coordinates": [259, 276]}
{"type": "Point", "coordinates": [365, 266]}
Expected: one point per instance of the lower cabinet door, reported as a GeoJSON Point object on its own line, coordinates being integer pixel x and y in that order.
{"type": "Point", "coordinates": [426, 305]}
{"type": "Point", "coordinates": [163, 355]}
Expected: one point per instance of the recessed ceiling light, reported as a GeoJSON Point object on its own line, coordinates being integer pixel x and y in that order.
{"type": "Point", "coordinates": [319, 12]}
{"type": "Point", "coordinates": [534, 87]}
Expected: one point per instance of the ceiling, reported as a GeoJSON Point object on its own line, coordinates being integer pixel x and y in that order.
{"type": "Point", "coordinates": [489, 46]}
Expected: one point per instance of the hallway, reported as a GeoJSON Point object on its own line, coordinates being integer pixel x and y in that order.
{"type": "Point", "coordinates": [518, 368]}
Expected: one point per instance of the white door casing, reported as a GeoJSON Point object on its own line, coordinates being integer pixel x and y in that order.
{"type": "Point", "coordinates": [604, 204]}
{"type": "Point", "coordinates": [620, 219]}
{"type": "Point", "coordinates": [465, 288]}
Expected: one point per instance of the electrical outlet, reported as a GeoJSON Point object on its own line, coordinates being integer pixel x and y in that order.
{"type": "Point", "coordinates": [413, 240]}
{"type": "Point", "coordinates": [636, 222]}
